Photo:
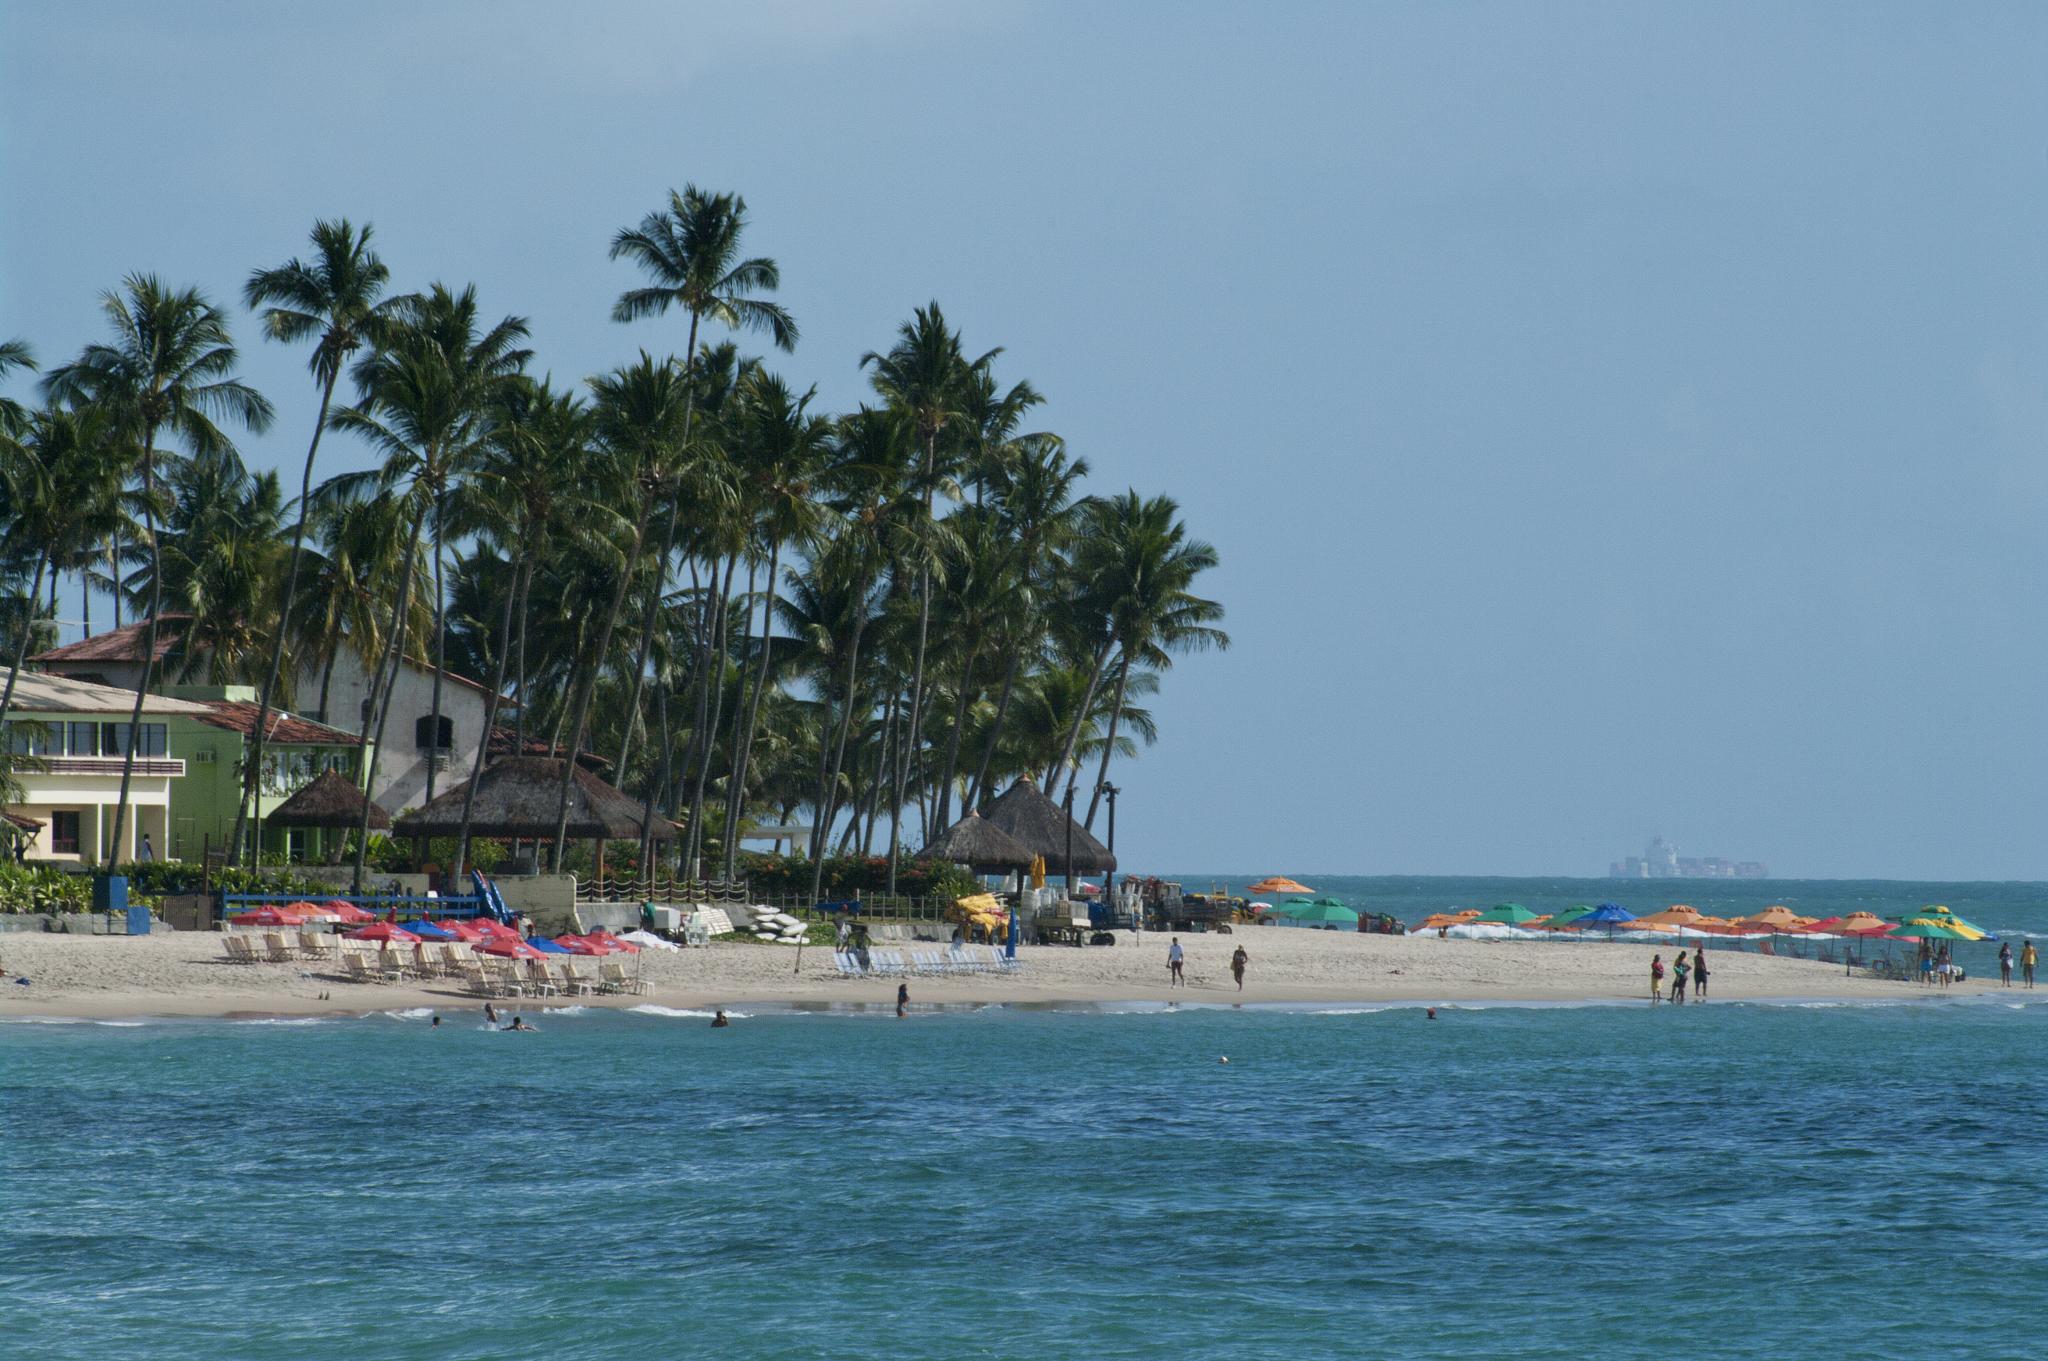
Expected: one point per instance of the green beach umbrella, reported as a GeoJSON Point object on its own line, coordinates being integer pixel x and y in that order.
{"type": "Point", "coordinates": [1569, 915]}
{"type": "Point", "coordinates": [1508, 914]}
{"type": "Point", "coordinates": [1927, 930]}
{"type": "Point", "coordinates": [1315, 910]}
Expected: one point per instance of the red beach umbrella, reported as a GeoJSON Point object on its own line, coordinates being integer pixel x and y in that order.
{"type": "Point", "coordinates": [383, 931]}
{"type": "Point", "coordinates": [496, 930]}
{"type": "Point", "coordinates": [463, 930]}
{"type": "Point", "coordinates": [509, 948]}
{"type": "Point", "coordinates": [271, 916]}
{"type": "Point", "coordinates": [578, 945]}
{"type": "Point", "coordinates": [611, 942]}
{"type": "Point", "coordinates": [347, 912]}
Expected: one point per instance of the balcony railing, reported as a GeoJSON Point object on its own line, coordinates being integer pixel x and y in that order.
{"type": "Point", "coordinates": [111, 765]}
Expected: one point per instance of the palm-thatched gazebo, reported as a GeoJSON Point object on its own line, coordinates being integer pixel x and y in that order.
{"type": "Point", "coordinates": [1043, 828]}
{"type": "Point", "coordinates": [331, 801]}
{"type": "Point", "coordinates": [980, 845]}
{"type": "Point", "coordinates": [521, 797]}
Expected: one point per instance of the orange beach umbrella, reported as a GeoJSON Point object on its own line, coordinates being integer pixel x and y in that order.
{"type": "Point", "coordinates": [1278, 884]}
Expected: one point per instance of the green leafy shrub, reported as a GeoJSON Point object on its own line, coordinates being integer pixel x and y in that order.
{"type": "Point", "coordinates": [848, 876]}
{"type": "Point", "coordinates": [43, 888]}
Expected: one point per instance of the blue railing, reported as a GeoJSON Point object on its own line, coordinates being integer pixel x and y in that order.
{"type": "Point", "coordinates": [404, 904]}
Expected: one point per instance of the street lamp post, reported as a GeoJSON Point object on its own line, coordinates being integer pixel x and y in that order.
{"type": "Point", "coordinates": [1110, 791]}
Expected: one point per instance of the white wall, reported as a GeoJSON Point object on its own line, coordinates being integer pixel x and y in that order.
{"type": "Point", "coordinates": [400, 779]}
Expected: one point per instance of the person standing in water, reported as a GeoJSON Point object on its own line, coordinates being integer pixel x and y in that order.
{"type": "Point", "coordinates": [1679, 969]}
{"type": "Point", "coordinates": [1656, 979]}
{"type": "Point", "coordinates": [2005, 964]}
{"type": "Point", "coordinates": [1238, 960]}
{"type": "Point", "coordinates": [2027, 957]}
{"type": "Point", "coordinates": [1699, 973]}
{"type": "Point", "coordinates": [1174, 958]}
{"type": "Point", "coordinates": [902, 1000]}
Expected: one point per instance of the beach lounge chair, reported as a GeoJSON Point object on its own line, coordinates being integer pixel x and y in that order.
{"type": "Point", "coordinates": [574, 980]}
{"type": "Point", "coordinates": [961, 961]}
{"type": "Point", "coordinates": [478, 982]}
{"type": "Point", "coordinates": [279, 952]}
{"type": "Point", "coordinates": [395, 967]}
{"type": "Point", "coordinates": [237, 948]}
{"type": "Point", "coordinates": [614, 978]}
{"type": "Point", "coordinates": [504, 977]}
{"type": "Point", "coordinates": [316, 945]}
{"type": "Point", "coordinates": [537, 981]}
{"type": "Point", "coordinates": [356, 969]}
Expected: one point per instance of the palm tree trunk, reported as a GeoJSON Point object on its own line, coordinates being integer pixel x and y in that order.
{"type": "Point", "coordinates": [1065, 763]}
{"type": "Point", "coordinates": [700, 668]}
{"type": "Point", "coordinates": [1116, 713]}
{"type": "Point", "coordinates": [156, 596]}
{"type": "Point", "coordinates": [749, 711]}
{"type": "Point", "coordinates": [828, 788]}
{"type": "Point", "coordinates": [941, 817]}
{"type": "Point", "coordinates": [327, 677]}
{"type": "Point", "coordinates": [896, 764]}
{"type": "Point", "coordinates": [379, 710]}
{"type": "Point", "coordinates": [519, 723]}
{"type": "Point", "coordinates": [978, 790]}
{"type": "Point", "coordinates": [720, 647]}
{"type": "Point", "coordinates": [589, 690]}
{"type": "Point", "coordinates": [440, 646]}
{"type": "Point", "coordinates": [249, 805]}
{"type": "Point", "coordinates": [476, 769]}
{"type": "Point", "coordinates": [28, 629]}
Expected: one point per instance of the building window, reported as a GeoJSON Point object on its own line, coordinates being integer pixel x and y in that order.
{"type": "Point", "coordinates": [114, 740]}
{"type": "Point", "coordinates": [31, 738]}
{"type": "Point", "coordinates": [64, 832]}
{"type": "Point", "coordinates": [425, 731]}
{"type": "Point", "coordinates": [83, 739]}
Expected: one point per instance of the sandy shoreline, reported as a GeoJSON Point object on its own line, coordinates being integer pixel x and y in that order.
{"type": "Point", "coordinates": [185, 974]}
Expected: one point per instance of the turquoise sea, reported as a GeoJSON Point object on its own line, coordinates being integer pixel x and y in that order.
{"type": "Point", "coordinates": [1732, 1180]}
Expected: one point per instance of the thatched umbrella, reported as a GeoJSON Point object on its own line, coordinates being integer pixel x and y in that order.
{"type": "Point", "coordinates": [521, 797]}
{"type": "Point", "coordinates": [331, 800]}
{"type": "Point", "coordinates": [980, 845]}
{"type": "Point", "coordinates": [1042, 826]}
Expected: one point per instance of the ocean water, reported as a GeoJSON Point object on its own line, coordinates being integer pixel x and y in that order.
{"type": "Point", "coordinates": [1731, 1180]}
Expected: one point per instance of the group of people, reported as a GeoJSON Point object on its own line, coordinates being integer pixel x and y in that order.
{"type": "Point", "coordinates": [1176, 965]}
{"type": "Point", "coordinates": [2028, 958]}
{"type": "Point", "coordinates": [1684, 969]}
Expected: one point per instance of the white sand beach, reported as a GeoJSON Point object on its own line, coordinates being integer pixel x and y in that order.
{"type": "Point", "coordinates": [186, 974]}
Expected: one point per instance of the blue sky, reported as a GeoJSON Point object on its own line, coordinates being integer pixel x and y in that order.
{"type": "Point", "coordinates": [1614, 419]}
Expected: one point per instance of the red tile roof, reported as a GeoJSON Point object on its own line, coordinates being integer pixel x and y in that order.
{"type": "Point", "coordinates": [239, 715]}
{"type": "Point", "coordinates": [123, 644]}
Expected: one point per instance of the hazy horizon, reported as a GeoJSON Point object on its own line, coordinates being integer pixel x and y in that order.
{"type": "Point", "coordinates": [1612, 420]}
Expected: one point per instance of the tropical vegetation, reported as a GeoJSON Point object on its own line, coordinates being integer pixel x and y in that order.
{"type": "Point", "coordinates": [746, 610]}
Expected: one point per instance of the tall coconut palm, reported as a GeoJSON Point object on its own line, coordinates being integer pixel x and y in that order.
{"type": "Point", "coordinates": [1140, 564]}
{"type": "Point", "coordinates": [782, 449]}
{"type": "Point", "coordinates": [527, 491]}
{"type": "Point", "coordinates": [223, 550]}
{"type": "Point", "coordinates": [169, 371]}
{"type": "Point", "coordinates": [427, 394]}
{"type": "Point", "coordinates": [61, 485]}
{"type": "Point", "coordinates": [692, 252]}
{"type": "Point", "coordinates": [336, 299]}
{"type": "Point", "coordinates": [639, 413]}
{"type": "Point", "coordinates": [14, 354]}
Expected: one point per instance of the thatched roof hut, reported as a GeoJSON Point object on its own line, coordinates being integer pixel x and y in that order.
{"type": "Point", "coordinates": [331, 800]}
{"type": "Point", "coordinates": [980, 845]}
{"type": "Point", "coordinates": [1041, 826]}
{"type": "Point", "coordinates": [520, 797]}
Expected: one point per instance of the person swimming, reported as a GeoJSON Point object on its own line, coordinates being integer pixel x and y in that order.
{"type": "Point", "coordinates": [719, 1022]}
{"type": "Point", "coordinates": [519, 1023]}
{"type": "Point", "coordinates": [490, 1013]}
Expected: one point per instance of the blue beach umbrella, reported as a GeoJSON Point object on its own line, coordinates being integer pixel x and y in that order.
{"type": "Point", "coordinates": [546, 946]}
{"type": "Point", "coordinates": [426, 930]}
{"type": "Point", "coordinates": [1607, 914]}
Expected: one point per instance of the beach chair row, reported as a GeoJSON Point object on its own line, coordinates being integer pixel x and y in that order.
{"type": "Point", "coordinates": [959, 959]}
{"type": "Point", "coordinates": [485, 975]}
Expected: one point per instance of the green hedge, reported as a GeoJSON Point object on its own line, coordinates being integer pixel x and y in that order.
{"type": "Point", "coordinates": [849, 875]}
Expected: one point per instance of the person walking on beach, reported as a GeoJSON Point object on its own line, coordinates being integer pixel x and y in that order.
{"type": "Point", "coordinates": [1679, 970]}
{"type": "Point", "coordinates": [1656, 979]}
{"type": "Point", "coordinates": [1699, 973]}
{"type": "Point", "coordinates": [148, 852]}
{"type": "Point", "coordinates": [2005, 964]}
{"type": "Point", "coordinates": [1174, 959]}
{"type": "Point", "coordinates": [2027, 958]}
{"type": "Point", "coordinates": [1237, 962]}
{"type": "Point", "coordinates": [902, 1000]}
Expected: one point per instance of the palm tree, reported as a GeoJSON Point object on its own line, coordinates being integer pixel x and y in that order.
{"type": "Point", "coordinates": [222, 552]}
{"type": "Point", "coordinates": [169, 371]}
{"type": "Point", "coordinates": [526, 492]}
{"type": "Point", "coordinates": [639, 415]}
{"type": "Point", "coordinates": [426, 398]}
{"type": "Point", "coordinates": [928, 382]}
{"type": "Point", "coordinates": [14, 354]}
{"type": "Point", "coordinates": [61, 484]}
{"type": "Point", "coordinates": [1141, 563]}
{"type": "Point", "coordinates": [782, 450]}
{"type": "Point", "coordinates": [336, 300]}
{"type": "Point", "coordinates": [691, 250]}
